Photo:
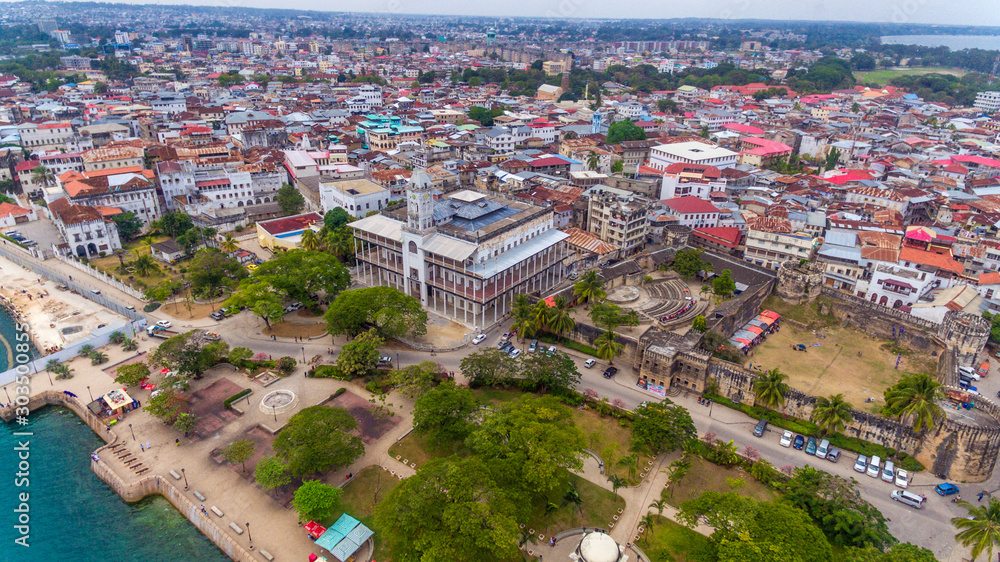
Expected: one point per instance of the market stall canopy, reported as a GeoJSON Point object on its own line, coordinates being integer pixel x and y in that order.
{"type": "Point", "coordinates": [344, 537]}
{"type": "Point", "coordinates": [117, 399]}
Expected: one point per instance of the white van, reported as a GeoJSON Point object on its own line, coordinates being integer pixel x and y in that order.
{"type": "Point", "coordinates": [909, 498]}
{"type": "Point", "coordinates": [823, 449]}
{"type": "Point", "coordinates": [874, 466]}
{"type": "Point", "coordinates": [889, 472]}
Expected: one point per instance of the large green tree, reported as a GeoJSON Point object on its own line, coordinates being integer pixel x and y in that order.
{"type": "Point", "coordinates": [290, 200]}
{"type": "Point", "coordinates": [415, 380]}
{"type": "Point", "coordinates": [359, 357]}
{"type": "Point", "coordinates": [272, 472]}
{"type": "Point", "coordinates": [335, 218]}
{"type": "Point", "coordinates": [624, 131]}
{"type": "Point", "coordinates": [662, 427]}
{"type": "Point", "coordinates": [747, 530]}
{"type": "Point", "coordinates": [445, 412]}
{"type": "Point", "coordinates": [240, 452]}
{"type": "Point", "coordinates": [452, 509]}
{"type": "Point", "coordinates": [488, 366]}
{"type": "Point", "coordinates": [316, 501]}
{"type": "Point", "coordinates": [316, 439]}
{"type": "Point", "coordinates": [608, 316]}
{"type": "Point", "coordinates": [529, 442]}
{"type": "Point", "coordinates": [688, 262]}
{"type": "Point", "coordinates": [902, 552]}
{"type": "Point", "coordinates": [131, 374]}
{"type": "Point", "coordinates": [556, 372]}
{"type": "Point", "coordinates": [211, 270]}
{"type": "Point", "coordinates": [129, 225]}
{"type": "Point", "coordinates": [301, 275]}
{"type": "Point", "coordinates": [260, 297]}
{"type": "Point", "coordinates": [387, 310]}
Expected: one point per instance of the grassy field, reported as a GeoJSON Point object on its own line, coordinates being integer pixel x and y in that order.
{"type": "Point", "coordinates": [704, 476]}
{"type": "Point", "coordinates": [883, 76]}
{"type": "Point", "coordinates": [420, 449]}
{"type": "Point", "coordinates": [609, 439]}
{"type": "Point", "coordinates": [597, 509]}
{"type": "Point", "coordinates": [845, 361]}
{"type": "Point", "coordinates": [673, 542]}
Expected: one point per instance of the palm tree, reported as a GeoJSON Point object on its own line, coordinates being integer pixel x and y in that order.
{"type": "Point", "coordinates": [524, 322]}
{"type": "Point", "coordinates": [41, 174]}
{"type": "Point", "coordinates": [980, 529]}
{"type": "Point", "coordinates": [540, 315]}
{"type": "Point", "coordinates": [229, 244]}
{"type": "Point", "coordinates": [593, 160]}
{"type": "Point", "coordinates": [310, 240]}
{"type": "Point", "coordinates": [832, 414]}
{"type": "Point", "coordinates": [630, 462]}
{"type": "Point", "coordinates": [559, 317]}
{"type": "Point", "coordinates": [98, 357]}
{"type": "Point", "coordinates": [608, 347]}
{"type": "Point", "coordinates": [647, 522]}
{"type": "Point", "coordinates": [145, 265]}
{"type": "Point", "coordinates": [914, 398]}
{"type": "Point", "coordinates": [770, 389]}
{"type": "Point", "coordinates": [616, 482]}
{"type": "Point", "coordinates": [589, 288]}
{"type": "Point", "coordinates": [147, 242]}
{"type": "Point", "coordinates": [658, 505]}
{"type": "Point", "coordinates": [573, 496]}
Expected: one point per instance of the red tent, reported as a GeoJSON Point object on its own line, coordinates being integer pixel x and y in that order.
{"type": "Point", "coordinates": [314, 529]}
{"type": "Point", "coordinates": [770, 314]}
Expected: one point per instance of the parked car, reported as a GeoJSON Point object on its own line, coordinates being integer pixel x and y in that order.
{"type": "Point", "coordinates": [385, 359]}
{"type": "Point", "coordinates": [95, 291]}
{"type": "Point", "coordinates": [506, 336]}
{"type": "Point", "coordinates": [811, 446]}
{"type": "Point", "coordinates": [13, 233]}
{"type": "Point", "coordinates": [823, 449]}
{"type": "Point", "coordinates": [861, 465]}
{"type": "Point", "coordinates": [217, 315]}
{"type": "Point", "coordinates": [786, 439]}
{"type": "Point", "coordinates": [28, 243]}
{"type": "Point", "coordinates": [252, 267]}
{"type": "Point", "coordinates": [902, 478]}
{"type": "Point", "coordinates": [758, 430]}
{"type": "Point", "coordinates": [507, 348]}
{"type": "Point", "coordinates": [874, 466]}
{"type": "Point", "coordinates": [514, 353]}
{"type": "Point", "coordinates": [833, 455]}
{"type": "Point", "coordinates": [589, 363]}
{"type": "Point", "coordinates": [610, 372]}
{"type": "Point", "coordinates": [799, 442]}
{"type": "Point", "coordinates": [908, 498]}
{"type": "Point", "coordinates": [552, 350]}
{"type": "Point", "coordinates": [502, 344]}
{"type": "Point", "coordinates": [946, 489]}
{"type": "Point", "coordinates": [478, 339]}
{"type": "Point", "coordinates": [533, 346]}
{"type": "Point", "coordinates": [889, 472]}
{"type": "Point", "coordinates": [164, 324]}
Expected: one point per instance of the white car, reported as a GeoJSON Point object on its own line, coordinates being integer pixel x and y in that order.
{"type": "Point", "coordinates": [590, 363]}
{"type": "Point", "coordinates": [902, 478]}
{"type": "Point", "coordinates": [514, 353]}
{"type": "Point", "coordinates": [164, 324]}
{"type": "Point", "coordinates": [478, 339]}
{"type": "Point", "coordinates": [786, 439]}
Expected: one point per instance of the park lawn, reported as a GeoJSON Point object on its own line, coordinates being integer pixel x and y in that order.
{"type": "Point", "coordinates": [358, 501]}
{"type": "Point", "coordinates": [883, 76]}
{"type": "Point", "coordinates": [672, 542]}
{"type": "Point", "coordinates": [421, 449]}
{"type": "Point", "coordinates": [846, 361]}
{"type": "Point", "coordinates": [597, 510]}
{"type": "Point", "coordinates": [609, 439]}
{"type": "Point", "coordinates": [805, 313]}
{"type": "Point", "coordinates": [704, 476]}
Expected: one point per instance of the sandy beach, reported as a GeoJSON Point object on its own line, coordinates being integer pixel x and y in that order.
{"type": "Point", "coordinates": [55, 317]}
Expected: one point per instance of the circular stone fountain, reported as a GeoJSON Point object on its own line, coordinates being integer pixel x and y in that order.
{"type": "Point", "coordinates": [278, 401]}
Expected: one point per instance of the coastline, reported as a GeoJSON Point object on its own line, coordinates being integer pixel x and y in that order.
{"type": "Point", "coordinates": [146, 486]}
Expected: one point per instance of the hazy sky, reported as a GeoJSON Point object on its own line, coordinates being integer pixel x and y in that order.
{"type": "Point", "coordinates": [959, 12]}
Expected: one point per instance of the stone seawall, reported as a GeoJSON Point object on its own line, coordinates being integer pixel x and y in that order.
{"type": "Point", "coordinates": [146, 486]}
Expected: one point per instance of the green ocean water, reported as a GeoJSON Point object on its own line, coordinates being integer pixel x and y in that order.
{"type": "Point", "coordinates": [73, 515]}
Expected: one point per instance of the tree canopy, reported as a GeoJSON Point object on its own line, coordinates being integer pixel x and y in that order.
{"type": "Point", "coordinates": [688, 262]}
{"type": "Point", "coordinates": [299, 275]}
{"type": "Point", "coordinates": [316, 501]}
{"type": "Point", "coordinates": [662, 427]}
{"type": "Point", "coordinates": [387, 310]}
{"type": "Point", "coordinates": [452, 509]}
{"type": "Point", "coordinates": [129, 225]}
{"type": "Point", "coordinates": [359, 357]}
{"type": "Point", "coordinates": [445, 412]}
{"type": "Point", "coordinates": [290, 200]}
{"type": "Point", "coordinates": [211, 270]}
{"type": "Point", "coordinates": [624, 131]}
{"type": "Point", "coordinates": [316, 439]}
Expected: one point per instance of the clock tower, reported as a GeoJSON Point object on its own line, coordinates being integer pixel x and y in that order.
{"type": "Point", "coordinates": [419, 202]}
{"type": "Point", "coordinates": [418, 229]}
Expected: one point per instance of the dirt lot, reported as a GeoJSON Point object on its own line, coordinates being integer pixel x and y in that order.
{"type": "Point", "coordinates": [179, 309]}
{"type": "Point", "coordinates": [845, 361]}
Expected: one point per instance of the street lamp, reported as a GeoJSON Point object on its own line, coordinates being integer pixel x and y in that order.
{"type": "Point", "coordinates": [275, 412]}
{"type": "Point", "coordinates": [185, 479]}
{"type": "Point", "coordinates": [133, 432]}
{"type": "Point", "coordinates": [90, 393]}
{"type": "Point", "coordinates": [397, 360]}
{"type": "Point", "coordinates": [303, 354]}
{"type": "Point", "coordinates": [249, 535]}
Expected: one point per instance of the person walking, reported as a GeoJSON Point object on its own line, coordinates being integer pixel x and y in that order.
{"type": "Point", "coordinates": [141, 448]}
{"type": "Point", "coordinates": [177, 442]}
{"type": "Point", "coordinates": [980, 496]}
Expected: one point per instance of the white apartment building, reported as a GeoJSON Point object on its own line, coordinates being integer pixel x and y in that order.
{"type": "Point", "coordinates": [693, 212]}
{"type": "Point", "coordinates": [693, 152]}
{"type": "Point", "coordinates": [987, 102]}
{"type": "Point", "coordinates": [86, 231]}
{"type": "Point", "coordinates": [683, 180]}
{"type": "Point", "coordinates": [47, 136]}
{"type": "Point", "coordinates": [110, 158]}
{"type": "Point", "coordinates": [618, 217]}
{"type": "Point", "coordinates": [357, 196]}
{"type": "Point", "coordinates": [123, 188]}
{"type": "Point", "coordinates": [771, 249]}
{"type": "Point", "coordinates": [183, 183]}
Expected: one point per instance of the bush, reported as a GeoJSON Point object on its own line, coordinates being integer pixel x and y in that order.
{"type": "Point", "coordinates": [338, 392]}
{"type": "Point", "coordinates": [285, 364]}
{"type": "Point", "coordinates": [229, 401]}
{"type": "Point", "coordinates": [151, 307]}
{"type": "Point", "coordinates": [328, 372]}
{"type": "Point", "coordinates": [566, 342]}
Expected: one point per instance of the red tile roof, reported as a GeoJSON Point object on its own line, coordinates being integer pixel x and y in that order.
{"type": "Point", "coordinates": [690, 204]}
{"type": "Point", "coordinates": [922, 257]}
{"type": "Point", "coordinates": [728, 236]}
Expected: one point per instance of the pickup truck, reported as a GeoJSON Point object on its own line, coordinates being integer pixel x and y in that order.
{"type": "Point", "coordinates": [159, 332]}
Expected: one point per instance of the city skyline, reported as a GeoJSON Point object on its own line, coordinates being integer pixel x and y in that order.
{"type": "Point", "coordinates": [976, 13]}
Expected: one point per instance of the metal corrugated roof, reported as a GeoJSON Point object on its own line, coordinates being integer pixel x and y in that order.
{"type": "Point", "coordinates": [380, 225]}
{"type": "Point", "coordinates": [519, 253]}
{"type": "Point", "coordinates": [451, 248]}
